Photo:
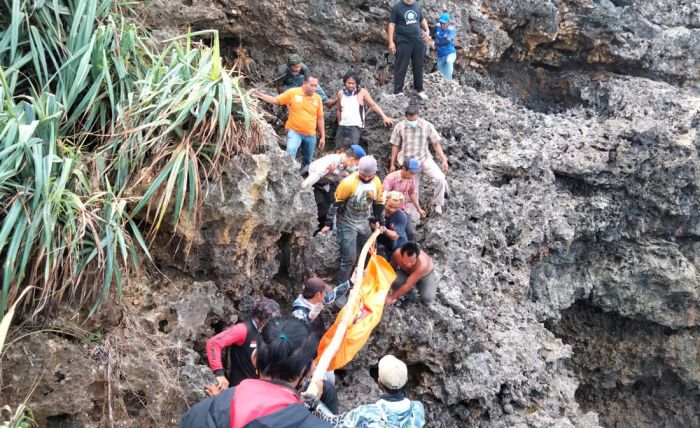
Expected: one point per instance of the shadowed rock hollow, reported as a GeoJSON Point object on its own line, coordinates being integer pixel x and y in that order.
{"type": "Point", "coordinates": [567, 256]}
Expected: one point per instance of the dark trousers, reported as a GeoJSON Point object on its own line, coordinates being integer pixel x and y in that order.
{"type": "Point", "coordinates": [427, 286]}
{"type": "Point", "coordinates": [324, 200]}
{"type": "Point", "coordinates": [413, 51]}
{"type": "Point", "coordinates": [351, 132]}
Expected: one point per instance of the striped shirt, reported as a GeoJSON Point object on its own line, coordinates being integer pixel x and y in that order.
{"type": "Point", "coordinates": [414, 141]}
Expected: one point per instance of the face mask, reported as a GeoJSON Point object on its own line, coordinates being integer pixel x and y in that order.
{"type": "Point", "coordinates": [412, 123]}
{"type": "Point", "coordinates": [315, 310]}
{"type": "Point", "coordinates": [351, 168]}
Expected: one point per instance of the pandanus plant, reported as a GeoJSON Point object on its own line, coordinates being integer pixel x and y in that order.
{"type": "Point", "coordinates": [104, 133]}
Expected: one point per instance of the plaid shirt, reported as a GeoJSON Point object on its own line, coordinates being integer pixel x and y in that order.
{"type": "Point", "coordinates": [414, 141]}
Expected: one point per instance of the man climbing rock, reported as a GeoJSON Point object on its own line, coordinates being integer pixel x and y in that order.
{"type": "Point", "coordinates": [406, 21]}
{"type": "Point", "coordinates": [305, 118]}
{"type": "Point", "coordinates": [285, 356]}
{"type": "Point", "coordinates": [315, 295]}
{"type": "Point", "coordinates": [358, 196]}
{"type": "Point", "coordinates": [392, 410]}
{"type": "Point", "coordinates": [352, 102]}
{"type": "Point", "coordinates": [325, 173]}
{"type": "Point", "coordinates": [241, 340]}
{"type": "Point", "coordinates": [445, 45]}
{"type": "Point", "coordinates": [292, 74]}
{"type": "Point", "coordinates": [413, 268]}
{"type": "Point", "coordinates": [404, 181]}
{"type": "Point", "coordinates": [394, 234]}
{"type": "Point", "coordinates": [410, 140]}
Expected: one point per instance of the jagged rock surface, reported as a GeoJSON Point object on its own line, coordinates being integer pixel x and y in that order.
{"type": "Point", "coordinates": [568, 183]}
{"type": "Point", "coordinates": [641, 37]}
{"type": "Point", "coordinates": [627, 364]}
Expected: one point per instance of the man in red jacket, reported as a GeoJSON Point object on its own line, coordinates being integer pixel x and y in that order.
{"type": "Point", "coordinates": [284, 357]}
{"type": "Point", "coordinates": [241, 340]}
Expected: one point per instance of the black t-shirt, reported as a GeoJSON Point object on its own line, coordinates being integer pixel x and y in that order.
{"type": "Point", "coordinates": [407, 19]}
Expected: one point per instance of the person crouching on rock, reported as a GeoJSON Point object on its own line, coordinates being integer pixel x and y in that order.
{"type": "Point", "coordinates": [413, 267]}
{"type": "Point", "coordinates": [283, 358]}
{"type": "Point", "coordinates": [394, 234]}
{"type": "Point", "coordinates": [315, 295]}
{"type": "Point", "coordinates": [325, 173]}
{"type": "Point", "coordinates": [403, 180]}
{"type": "Point", "coordinates": [392, 409]}
{"type": "Point", "coordinates": [241, 341]}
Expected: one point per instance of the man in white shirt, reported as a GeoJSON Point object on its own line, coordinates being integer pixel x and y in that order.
{"type": "Point", "coordinates": [326, 172]}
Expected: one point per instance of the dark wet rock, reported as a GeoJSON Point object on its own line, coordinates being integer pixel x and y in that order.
{"type": "Point", "coordinates": [641, 37]}
{"type": "Point", "coordinates": [626, 365]}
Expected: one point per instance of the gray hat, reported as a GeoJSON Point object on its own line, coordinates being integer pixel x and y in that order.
{"type": "Point", "coordinates": [293, 59]}
{"type": "Point", "coordinates": [368, 165]}
{"type": "Point", "coordinates": [393, 373]}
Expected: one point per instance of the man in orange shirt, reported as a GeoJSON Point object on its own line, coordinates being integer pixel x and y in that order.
{"type": "Point", "coordinates": [305, 117]}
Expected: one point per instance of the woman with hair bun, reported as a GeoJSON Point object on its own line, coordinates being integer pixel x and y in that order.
{"type": "Point", "coordinates": [283, 359]}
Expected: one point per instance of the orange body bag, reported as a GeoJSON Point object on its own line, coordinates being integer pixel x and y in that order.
{"type": "Point", "coordinates": [368, 312]}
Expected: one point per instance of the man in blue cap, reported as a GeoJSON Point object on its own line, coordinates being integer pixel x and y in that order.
{"type": "Point", "coordinates": [325, 173]}
{"type": "Point", "coordinates": [445, 45]}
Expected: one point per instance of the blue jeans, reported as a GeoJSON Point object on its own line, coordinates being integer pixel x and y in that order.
{"type": "Point", "coordinates": [294, 140]}
{"type": "Point", "coordinates": [350, 241]}
{"type": "Point", "coordinates": [446, 65]}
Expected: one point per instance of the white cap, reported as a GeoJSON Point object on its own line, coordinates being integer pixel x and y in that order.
{"type": "Point", "coordinates": [392, 372]}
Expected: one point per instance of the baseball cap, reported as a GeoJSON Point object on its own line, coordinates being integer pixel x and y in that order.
{"type": "Point", "coordinates": [315, 285]}
{"type": "Point", "coordinates": [266, 309]}
{"type": "Point", "coordinates": [392, 372]}
{"type": "Point", "coordinates": [368, 165]}
{"type": "Point", "coordinates": [359, 151]}
{"type": "Point", "coordinates": [413, 165]}
{"type": "Point", "coordinates": [293, 59]}
{"type": "Point", "coordinates": [444, 18]}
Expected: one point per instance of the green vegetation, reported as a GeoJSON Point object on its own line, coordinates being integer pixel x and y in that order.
{"type": "Point", "coordinates": [22, 417]}
{"type": "Point", "coordinates": [103, 130]}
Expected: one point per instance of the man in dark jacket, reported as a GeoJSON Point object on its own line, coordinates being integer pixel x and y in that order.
{"type": "Point", "coordinates": [315, 295]}
{"type": "Point", "coordinates": [291, 75]}
{"type": "Point", "coordinates": [240, 340]}
{"type": "Point", "coordinates": [283, 358]}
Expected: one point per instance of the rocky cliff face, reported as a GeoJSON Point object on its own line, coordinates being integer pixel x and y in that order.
{"type": "Point", "coordinates": [567, 256]}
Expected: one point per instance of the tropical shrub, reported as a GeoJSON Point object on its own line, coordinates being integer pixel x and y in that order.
{"type": "Point", "coordinates": [104, 132]}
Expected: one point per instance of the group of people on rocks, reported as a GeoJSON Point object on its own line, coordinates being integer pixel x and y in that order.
{"type": "Point", "coordinates": [271, 360]}
{"type": "Point", "coordinates": [270, 356]}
